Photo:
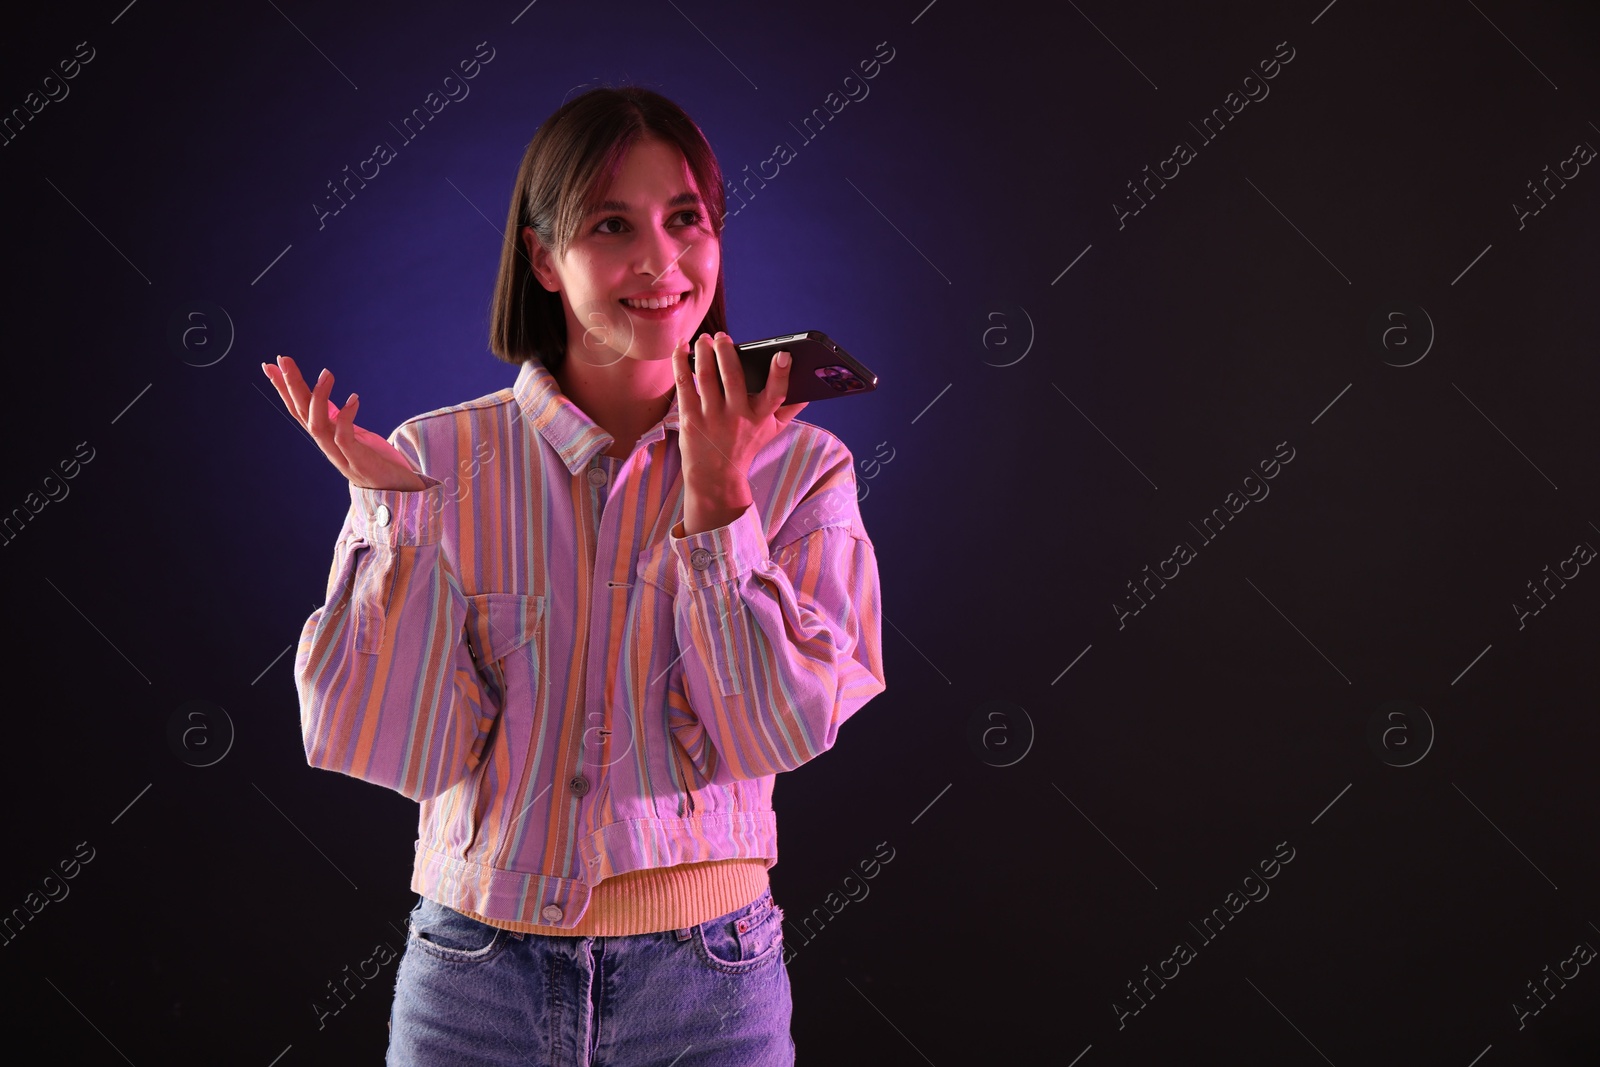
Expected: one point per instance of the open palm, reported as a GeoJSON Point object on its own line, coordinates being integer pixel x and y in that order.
{"type": "Point", "coordinates": [365, 458]}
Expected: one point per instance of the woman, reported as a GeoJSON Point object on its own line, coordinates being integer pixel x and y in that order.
{"type": "Point", "coordinates": [585, 621]}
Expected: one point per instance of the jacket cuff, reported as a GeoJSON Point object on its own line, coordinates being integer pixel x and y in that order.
{"type": "Point", "coordinates": [720, 554]}
{"type": "Point", "coordinates": [395, 517]}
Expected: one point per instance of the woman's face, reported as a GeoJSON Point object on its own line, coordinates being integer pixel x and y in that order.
{"type": "Point", "coordinates": [649, 242]}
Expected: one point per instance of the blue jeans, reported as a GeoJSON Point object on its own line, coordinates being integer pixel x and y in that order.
{"type": "Point", "coordinates": [713, 995]}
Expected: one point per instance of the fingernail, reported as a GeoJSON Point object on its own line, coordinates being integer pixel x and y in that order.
{"type": "Point", "coordinates": [782, 360]}
{"type": "Point", "coordinates": [265, 371]}
{"type": "Point", "coordinates": [323, 375]}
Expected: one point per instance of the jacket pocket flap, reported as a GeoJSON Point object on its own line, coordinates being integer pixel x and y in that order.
{"type": "Point", "coordinates": [658, 566]}
{"type": "Point", "coordinates": [500, 623]}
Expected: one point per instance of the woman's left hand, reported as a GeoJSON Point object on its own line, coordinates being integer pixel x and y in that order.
{"type": "Point", "coordinates": [722, 426]}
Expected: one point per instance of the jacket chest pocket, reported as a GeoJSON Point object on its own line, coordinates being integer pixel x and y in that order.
{"type": "Point", "coordinates": [505, 634]}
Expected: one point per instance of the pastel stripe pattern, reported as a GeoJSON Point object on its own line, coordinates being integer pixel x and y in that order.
{"type": "Point", "coordinates": [569, 687]}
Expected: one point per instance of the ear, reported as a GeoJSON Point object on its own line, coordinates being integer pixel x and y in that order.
{"type": "Point", "coordinates": [539, 257]}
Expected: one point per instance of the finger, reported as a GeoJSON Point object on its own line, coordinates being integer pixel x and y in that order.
{"type": "Point", "coordinates": [707, 379]}
{"type": "Point", "coordinates": [691, 406]}
{"type": "Point", "coordinates": [731, 373]}
{"type": "Point", "coordinates": [787, 413]}
{"type": "Point", "coordinates": [344, 429]}
{"type": "Point", "coordinates": [317, 412]}
{"type": "Point", "coordinates": [771, 398]}
{"type": "Point", "coordinates": [299, 392]}
{"type": "Point", "coordinates": [275, 376]}
{"type": "Point", "coordinates": [683, 376]}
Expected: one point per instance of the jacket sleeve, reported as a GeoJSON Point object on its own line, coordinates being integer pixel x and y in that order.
{"type": "Point", "coordinates": [779, 646]}
{"type": "Point", "coordinates": [389, 691]}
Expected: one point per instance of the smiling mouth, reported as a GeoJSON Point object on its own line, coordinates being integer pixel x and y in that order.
{"type": "Point", "coordinates": [656, 303]}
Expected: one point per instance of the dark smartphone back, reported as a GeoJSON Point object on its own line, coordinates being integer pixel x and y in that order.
{"type": "Point", "coordinates": [821, 369]}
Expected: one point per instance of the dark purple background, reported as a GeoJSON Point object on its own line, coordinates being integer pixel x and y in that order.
{"type": "Point", "coordinates": [927, 229]}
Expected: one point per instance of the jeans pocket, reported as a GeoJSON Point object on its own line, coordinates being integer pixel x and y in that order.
{"type": "Point", "coordinates": [446, 934]}
{"type": "Point", "coordinates": [744, 940]}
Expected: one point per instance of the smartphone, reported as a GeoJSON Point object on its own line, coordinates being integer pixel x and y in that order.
{"type": "Point", "coordinates": [820, 369]}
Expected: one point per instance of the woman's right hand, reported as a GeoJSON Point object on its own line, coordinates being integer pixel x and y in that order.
{"type": "Point", "coordinates": [369, 461]}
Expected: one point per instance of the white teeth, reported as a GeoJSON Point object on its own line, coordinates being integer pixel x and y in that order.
{"type": "Point", "coordinates": [655, 303]}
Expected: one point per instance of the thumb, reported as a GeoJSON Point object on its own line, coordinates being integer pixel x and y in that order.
{"type": "Point", "coordinates": [786, 414]}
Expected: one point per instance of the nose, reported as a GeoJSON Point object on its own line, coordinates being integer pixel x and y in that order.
{"type": "Point", "coordinates": [660, 251]}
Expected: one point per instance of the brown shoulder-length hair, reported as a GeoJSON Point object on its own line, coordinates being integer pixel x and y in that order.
{"type": "Point", "coordinates": [566, 170]}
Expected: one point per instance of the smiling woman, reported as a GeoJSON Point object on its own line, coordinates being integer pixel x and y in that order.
{"type": "Point", "coordinates": [634, 593]}
{"type": "Point", "coordinates": [591, 140]}
{"type": "Point", "coordinates": [651, 240]}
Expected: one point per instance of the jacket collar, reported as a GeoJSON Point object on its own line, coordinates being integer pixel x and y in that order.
{"type": "Point", "coordinates": [576, 438]}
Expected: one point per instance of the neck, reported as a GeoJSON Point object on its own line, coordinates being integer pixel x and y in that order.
{"type": "Point", "coordinates": [624, 398]}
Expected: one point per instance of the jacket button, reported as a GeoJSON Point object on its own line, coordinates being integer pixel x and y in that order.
{"type": "Point", "coordinates": [381, 515]}
{"type": "Point", "coordinates": [551, 914]}
{"type": "Point", "coordinates": [580, 785]}
{"type": "Point", "coordinates": [597, 476]}
{"type": "Point", "coordinates": [700, 559]}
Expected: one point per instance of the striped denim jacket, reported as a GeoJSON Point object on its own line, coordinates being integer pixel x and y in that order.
{"type": "Point", "coordinates": [569, 689]}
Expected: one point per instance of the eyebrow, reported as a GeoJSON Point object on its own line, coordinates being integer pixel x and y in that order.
{"type": "Point", "coordinates": [681, 200]}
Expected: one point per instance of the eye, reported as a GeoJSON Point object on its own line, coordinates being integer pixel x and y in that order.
{"type": "Point", "coordinates": [687, 217]}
